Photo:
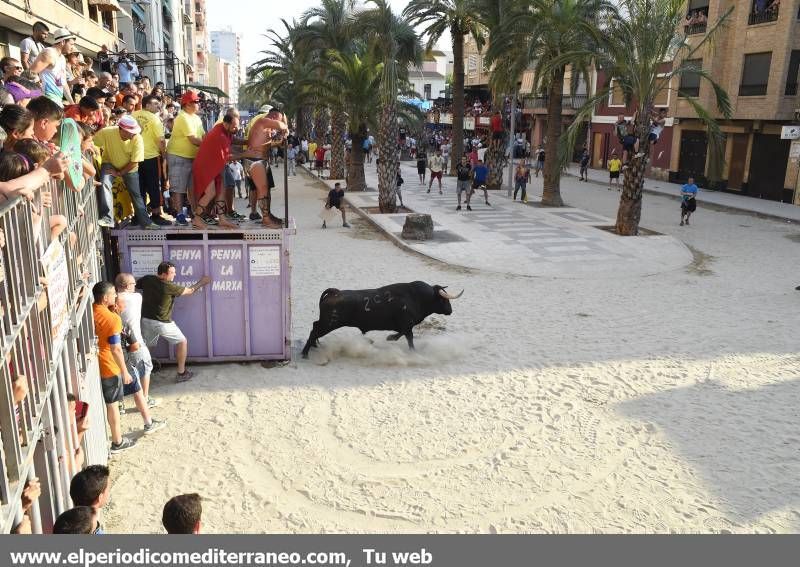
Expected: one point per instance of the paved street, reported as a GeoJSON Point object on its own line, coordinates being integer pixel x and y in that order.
{"type": "Point", "coordinates": [647, 403]}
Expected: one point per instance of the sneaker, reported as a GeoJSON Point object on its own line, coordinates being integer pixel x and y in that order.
{"type": "Point", "coordinates": [469, 208]}
{"type": "Point", "coordinates": [185, 376]}
{"type": "Point", "coordinates": [152, 402]}
{"type": "Point", "coordinates": [155, 425]}
{"type": "Point", "coordinates": [180, 220]}
{"type": "Point", "coordinates": [239, 216]}
{"type": "Point", "coordinates": [159, 220]}
{"type": "Point", "coordinates": [209, 220]}
{"type": "Point", "coordinates": [345, 225]}
{"type": "Point", "coordinates": [458, 208]}
{"type": "Point", "coordinates": [232, 216]}
{"type": "Point", "coordinates": [254, 216]}
{"type": "Point", "coordinates": [488, 204]}
{"type": "Point", "coordinates": [151, 226]}
{"type": "Point", "coordinates": [106, 223]}
{"type": "Point", "coordinates": [123, 445]}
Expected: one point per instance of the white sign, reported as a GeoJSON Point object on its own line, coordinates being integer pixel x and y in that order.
{"type": "Point", "coordinates": [794, 150]}
{"type": "Point", "coordinates": [469, 123]}
{"type": "Point", "coordinates": [790, 133]}
{"type": "Point", "coordinates": [54, 262]}
{"type": "Point", "coordinates": [145, 260]}
{"type": "Point", "coordinates": [265, 261]}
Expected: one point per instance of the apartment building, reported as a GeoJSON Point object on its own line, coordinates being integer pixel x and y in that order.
{"type": "Point", "coordinates": [226, 44]}
{"type": "Point", "coordinates": [95, 22]}
{"type": "Point", "coordinates": [430, 79]}
{"type": "Point", "coordinates": [201, 42]}
{"type": "Point", "coordinates": [755, 58]}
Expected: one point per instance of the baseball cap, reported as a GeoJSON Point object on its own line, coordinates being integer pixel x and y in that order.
{"type": "Point", "coordinates": [265, 108]}
{"type": "Point", "coordinates": [129, 124]}
{"type": "Point", "coordinates": [189, 96]}
{"type": "Point", "coordinates": [61, 34]}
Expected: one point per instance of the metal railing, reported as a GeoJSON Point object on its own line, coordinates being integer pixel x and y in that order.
{"type": "Point", "coordinates": [764, 16]}
{"type": "Point", "coordinates": [567, 101]}
{"type": "Point", "coordinates": [47, 343]}
{"type": "Point", "coordinates": [695, 29]}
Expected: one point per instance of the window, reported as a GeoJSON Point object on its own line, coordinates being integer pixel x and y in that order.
{"type": "Point", "coordinates": [662, 98]}
{"type": "Point", "coordinates": [617, 97]}
{"type": "Point", "coordinates": [427, 91]}
{"type": "Point", "coordinates": [763, 11]}
{"type": "Point", "coordinates": [792, 76]}
{"type": "Point", "coordinates": [76, 5]}
{"type": "Point", "coordinates": [690, 81]}
{"type": "Point", "coordinates": [755, 74]}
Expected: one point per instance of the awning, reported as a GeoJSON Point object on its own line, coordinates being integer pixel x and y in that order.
{"type": "Point", "coordinates": [106, 5]}
{"type": "Point", "coordinates": [205, 88]}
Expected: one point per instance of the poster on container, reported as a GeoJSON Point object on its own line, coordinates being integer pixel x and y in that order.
{"type": "Point", "coordinates": [145, 260]}
{"type": "Point", "coordinates": [265, 261]}
{"type": "Point", "coordinates": [54, 263]}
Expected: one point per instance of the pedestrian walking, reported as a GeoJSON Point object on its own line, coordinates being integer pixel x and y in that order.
{"type": "Point", "coordinates": [158, 298]}
{"type": "Point", "coordinates": [463, 177]}
{"type": "Point", "coordinates": [688, 200]}
{"type": "Point", "coordinates": [614, 166]}
{"type": "Point", "coordinates": [436, 165]}
{"type": "Point", "coordinates": [539, 161]}
{"type": "Point", "coordinates": [421, 166]}
{"type": "Point", "coordinates": [480, 174]}
{"type": "Point", "coordinates": [584, 165]}
{"type": "Point", "coordinates": [291, 160]}
{"type": "Point", "coordinates": [522, 176]}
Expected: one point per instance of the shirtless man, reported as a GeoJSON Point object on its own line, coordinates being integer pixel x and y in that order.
{"type": "Point", "coordinates": [259, 142]}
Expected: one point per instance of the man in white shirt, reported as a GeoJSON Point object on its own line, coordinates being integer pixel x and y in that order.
{"type": "Point", "coordinates": [436, 165]}
{"type": "Point", "coordinates": [132, 319]}
{"type": "Point", "coordinates": [126, 68]}
{"type": "Point", "coordinates": [32, 46]}
{"type": "Point", "coordinates": [51, 64]}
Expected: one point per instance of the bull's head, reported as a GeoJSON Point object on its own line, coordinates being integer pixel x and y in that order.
{"type": "Point", "coordinates": [443, 300]}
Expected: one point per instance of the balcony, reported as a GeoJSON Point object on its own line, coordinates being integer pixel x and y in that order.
{"type": "Point", "coordinates": [695, 29]}
{"type": "Point", "coordinates": [696, 21]}
{"type": "Point", "coordinates": [567, 102]}
{"type": "Point", "coordinates": [764, 16]}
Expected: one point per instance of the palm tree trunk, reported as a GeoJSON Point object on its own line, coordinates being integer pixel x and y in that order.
{"type": "Point", "coordinates": [337, 149]}
{"type": "Point", "coordinates": [320, 124]}
{"type": "Point", "coordinates": [457, 141]}
{"type": "Point", "coordinates": [551, 191]}
{"type": "Point", "coordinates": [389, 164]}
{"type": "Point", "coordinates": [496, 162]}
{"type": "Point", "coordinates": [355, 173]}
{"type": "Point", "coordinates": [629, 212]}
{"type": "Point", "coordinates": [304, 119]}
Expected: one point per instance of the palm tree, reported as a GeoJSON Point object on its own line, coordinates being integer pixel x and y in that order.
{"type": "Point", "coordinates": [352, 84]}
{"type": "Point", "coordinates": [635, 49]}
{"type": "Point", "coordinates": [460, 18]}
{"type": "Point", "coordinates": [396, 46]}
{"type": "Point", "coordinates": [551, 35]}
{"type": "Point", "coordinates": [325, 30]}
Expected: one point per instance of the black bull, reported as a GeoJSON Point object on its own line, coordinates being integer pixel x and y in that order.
{"type": "Point", "coordinates": [396, 307]}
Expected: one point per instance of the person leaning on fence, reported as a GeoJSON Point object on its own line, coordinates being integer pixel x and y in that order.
{"type": "Point", "coordinates": [113, 373]}
{"type": "Point", "coordinates": [182, 514]}
{"type": "Point", "coordinates": [158, 299]}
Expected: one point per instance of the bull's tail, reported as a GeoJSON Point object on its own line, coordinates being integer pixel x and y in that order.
{"type": "Point", "coordinates": [326, 293]}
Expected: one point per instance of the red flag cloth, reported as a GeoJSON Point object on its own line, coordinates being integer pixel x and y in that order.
{"type": "Point", "coordinates": [215, 149]}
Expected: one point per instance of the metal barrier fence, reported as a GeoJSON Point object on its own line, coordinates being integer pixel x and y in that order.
{"type": "Point", "coordinates": [48, 343]}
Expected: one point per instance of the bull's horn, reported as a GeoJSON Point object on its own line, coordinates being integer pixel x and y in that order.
{"type": "Point", "coordinates": [446, 295]}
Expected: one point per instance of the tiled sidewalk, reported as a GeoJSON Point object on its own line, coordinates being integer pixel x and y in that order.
{"type": "Point", "coordinates": [512, 238]}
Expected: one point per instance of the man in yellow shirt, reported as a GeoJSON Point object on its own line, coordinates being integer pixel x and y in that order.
{"type": "Point", "coordinates": [123, 150]}
{"type": "Point", "coordinates": [614, 166]}
{"type": "Point", "coordinates": [184, 142]}
{"type": "Point", "coordinates": [154, 147]}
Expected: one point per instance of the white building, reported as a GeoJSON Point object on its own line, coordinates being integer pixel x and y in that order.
{"type": "Point", "coordinates": [226, 45]}
{"type": "Point", "coordinates": [430, 79]}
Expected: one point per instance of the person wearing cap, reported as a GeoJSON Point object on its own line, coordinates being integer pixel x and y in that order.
{"type": "Point", "coordinates": [154, 146]}
{"type": "Point", "coordinates": [32, 46]}
{"type": "Point", "coordinates": [123, 150]}
{"type": "Point", "coordinates": [184, 142]}
{"type": "Point", "coordinates": [51, 64]}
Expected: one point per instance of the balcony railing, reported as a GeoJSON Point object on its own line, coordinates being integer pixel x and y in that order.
{"type": "Point", "coordinates": [763, 17]}
{"type": "Point", "coordinates": [695, 29]}
{"type": "Point", "coordinates": [568, 101]}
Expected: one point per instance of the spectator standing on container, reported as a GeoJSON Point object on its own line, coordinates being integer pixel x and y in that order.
{"type": "Point", "coordinates": [688, 200]}
{"type": "Point", "coordinates": [123, 151]}
{"type": "Point", "coordinates": [113, 373]}
{"type": "Point", "coordinates": [51, 64]}
{"type": "Point", "coordinates": [463, 176]}
{"type": "Point", "coordinates": [32, 46]}
{"type": "Point", "coordinates": [158, 299]}
{"type": "Point", "coordinates": [182, 514]}
{"type": "Point", "coordinates": [131, 315]}
{"type": "Point", "coordinates": [184, 143]}
{"type": "Point", "coordinates": [155, 145]}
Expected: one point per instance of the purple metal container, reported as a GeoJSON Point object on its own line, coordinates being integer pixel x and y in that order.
{"type": "Point", "coordinates": [245, 313]}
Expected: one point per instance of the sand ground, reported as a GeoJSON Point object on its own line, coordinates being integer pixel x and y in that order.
{"type": "Point", "coordinates": [662, 404]}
